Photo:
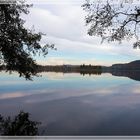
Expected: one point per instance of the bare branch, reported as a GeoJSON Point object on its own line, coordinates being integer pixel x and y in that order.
{"type": "Point", "coordinates": [113, 22]}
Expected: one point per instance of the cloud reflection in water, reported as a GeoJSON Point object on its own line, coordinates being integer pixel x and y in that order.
{"type": "Point", "coordinates": [77, 105]}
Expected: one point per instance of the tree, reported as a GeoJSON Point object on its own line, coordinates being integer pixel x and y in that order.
{"type": "Point", "coordinates": [18, 44]}
{"type": "Point", "coordinates": [113, 21]}
{"type": "Point", "coordinates": [21, 125]}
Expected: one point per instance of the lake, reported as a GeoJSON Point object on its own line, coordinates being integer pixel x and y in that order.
{"type": "Point", "coordinates": [73, 104]}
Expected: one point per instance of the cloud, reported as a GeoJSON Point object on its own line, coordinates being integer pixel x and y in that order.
{"type": "Point", "coordinates": [63, 61]}
{"type": "Point", "coordinates": [11, 95]}
{"type": "Point", "coordinates": [64, 26]}
{"type": "Point", "coordinates": [65, 22]}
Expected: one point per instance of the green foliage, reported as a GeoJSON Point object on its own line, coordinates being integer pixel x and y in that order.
{"type": "Point", "coordinates": [21, 125]}
{"type": "Point", "coordinates": [18, 44]}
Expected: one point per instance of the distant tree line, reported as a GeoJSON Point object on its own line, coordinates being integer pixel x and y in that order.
{"type": "Point", "coordinates": [82, 69]}
{"type": "Point", "coordinates": [90, 67]}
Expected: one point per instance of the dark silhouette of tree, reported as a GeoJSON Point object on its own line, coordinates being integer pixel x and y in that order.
{"type": "Point", "coordinates": [113, 21]}
{"type": "Point", "coordinates": [21, 125]}
{"type": "Point", "coordinates": [18, 44]}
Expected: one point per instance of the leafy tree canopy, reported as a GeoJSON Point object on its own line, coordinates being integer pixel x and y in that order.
{"type": "Point", "coordinates": [21, 125]}
{"type": "Point", "coordinates": [114, 20]}
{"type": "Point", "coordinates": [18, 44]}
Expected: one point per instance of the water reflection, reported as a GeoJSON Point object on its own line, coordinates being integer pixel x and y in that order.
{"type": "Point", "coordinates": [72, 104]}
{"type": "Point", "coordinates": [135, 75]}
{"type": "Point", "coordinates": [132, 74]}
{"type": "Point", "coordinates": [90, 73]}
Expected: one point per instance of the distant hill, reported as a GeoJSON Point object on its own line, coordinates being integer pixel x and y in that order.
{"type": "Point", "coordinates": [131, 70]}
{"type": "Point", "coordinates": [134, 65]}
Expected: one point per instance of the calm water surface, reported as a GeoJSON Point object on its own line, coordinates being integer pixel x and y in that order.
{"type": "Point", "coordinates": [72, 104]}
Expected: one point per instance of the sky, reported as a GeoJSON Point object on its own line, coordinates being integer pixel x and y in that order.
{"type": "Point", "coordinates": [63, 22]}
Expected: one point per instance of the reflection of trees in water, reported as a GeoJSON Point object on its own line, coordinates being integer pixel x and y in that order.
{"type": "Point", "coordinates": [130, 72]}
{"type": "Point", "coordinates": [135, 75]}
{"type": "Point", "coordinates": [82, 69]}
{"type": "Point", "coordinates": [89, 69]}
{"type": "Point", "coordinates": [20, 125]}
{"type": "Point", "coordinates": [90, 72]}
